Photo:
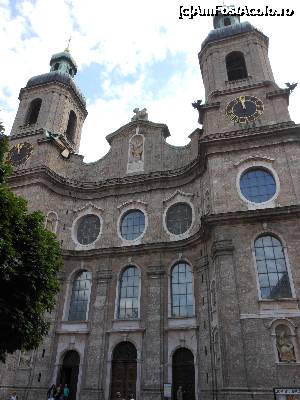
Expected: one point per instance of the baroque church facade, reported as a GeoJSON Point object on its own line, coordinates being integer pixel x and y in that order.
{"type": "Point", "coordinates": [181, 265]}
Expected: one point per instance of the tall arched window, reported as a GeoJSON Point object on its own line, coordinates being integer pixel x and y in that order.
{"type": "Point", "coordinates": [33, 111]}
{"type": "Point", "coordinates": [80, 297]}
{"type": "Point", "coordinates": [271, 268]}
{"type": "Point", "coordinates": [236, 66]}
{"type": "Point", "coordinates": [182, 299]}
{"type": "Point", "coordinates": [129, 294]}
{"type": "Point", "coordinates": [71, 127]}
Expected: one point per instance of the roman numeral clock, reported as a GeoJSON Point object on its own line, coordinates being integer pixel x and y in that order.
{"type": "Point", "coordinates": [244, 109]}
{"type": "Point", "coordinates": [20, 153]}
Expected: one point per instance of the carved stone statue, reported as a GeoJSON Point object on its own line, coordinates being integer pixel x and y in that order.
{"type": "Point", "coordinates": [51, 222]}
{"type": "Point", "coordinates": [25, 359]}
{"type": "Point", "coordinates": [285, 347]}
{"type": "Point", "coordinates": [136, 148]}
{"type": "Point", "coordinates": [140, 115]}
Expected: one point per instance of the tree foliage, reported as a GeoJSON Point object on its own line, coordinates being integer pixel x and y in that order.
{"type": "Point", "coordinates": [30, 258]}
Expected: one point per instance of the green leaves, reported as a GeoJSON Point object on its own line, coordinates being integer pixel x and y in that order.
{"type": "Point", "coordinates": [30, 258]}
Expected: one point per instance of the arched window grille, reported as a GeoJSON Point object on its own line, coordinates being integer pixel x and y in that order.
{"type": "Point", "coordinates": [129, 294]}
{"type": "Point", "coordinates": [71, 127]}
{"type": "Point", "coordinates": [80, 297]}
{"type": "Point", "coordinates": [236, 66]}
{"type": "Point", "coordinates": [271, 268]}
{"type": "Point", "coordinates": [33, 112]}
{"type": "Point", "coordinates": [182, 299]}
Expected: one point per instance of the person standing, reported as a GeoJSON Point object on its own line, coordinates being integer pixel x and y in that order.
{"type": "Point", "coordinates": [66, 392]}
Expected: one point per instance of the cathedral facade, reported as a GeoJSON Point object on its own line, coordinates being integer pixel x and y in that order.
{"type": "Point", "coordinates": [181, 271]}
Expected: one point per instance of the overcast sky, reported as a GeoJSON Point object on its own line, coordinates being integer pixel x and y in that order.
{"type": "Point", "coordinates": [129, 54]}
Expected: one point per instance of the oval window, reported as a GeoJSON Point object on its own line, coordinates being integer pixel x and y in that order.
{"type": "Point", "coordinates": [179, 218]}
{"type": "Point", "coordinates": [257, 185]}
{"type": "Point", "coordinates": [88, 229]}
{"type": "Point", "coordinates": [132, 224]}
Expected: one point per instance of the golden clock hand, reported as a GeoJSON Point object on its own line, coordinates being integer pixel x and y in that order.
{"type": "Point", "coordinates": [242, 100]}
{"type": "Point", "coordinates": [19, 147]}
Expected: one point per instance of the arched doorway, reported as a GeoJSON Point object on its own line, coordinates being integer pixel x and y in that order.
{"type": "Point", "coordinates": [69, 372]}
{"type": "Point", "coordinates": [123, 375]}
{"type": "Point", "coordinates": [183, 372]}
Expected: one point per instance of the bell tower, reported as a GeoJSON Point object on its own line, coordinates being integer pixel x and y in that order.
{"type": "Point", "coordinates": [51, 104]}
{"type": "Point", "coordinates": [240, 90]}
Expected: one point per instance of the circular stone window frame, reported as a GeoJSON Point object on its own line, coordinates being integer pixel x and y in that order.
{"type": "Point", "coordinates": [180, 197]}
{"type": "Point", "coordinates": [124, 209]}
{"type": "Point", "coordinates": [250, 165]}
{"type": "Point", "coordinates": [78, 245]}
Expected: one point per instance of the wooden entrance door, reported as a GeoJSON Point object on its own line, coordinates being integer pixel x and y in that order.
{"type": "Point", "coordinates": [123, 377]}
{"type": "Point", "coordinates": [183, 374]}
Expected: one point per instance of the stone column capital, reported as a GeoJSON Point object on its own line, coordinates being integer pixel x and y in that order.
{"type": "Point", "coordinates": [222, 248]}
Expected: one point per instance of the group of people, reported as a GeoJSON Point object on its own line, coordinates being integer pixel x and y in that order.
{"type": "Point", "coordinates": [59, 392]}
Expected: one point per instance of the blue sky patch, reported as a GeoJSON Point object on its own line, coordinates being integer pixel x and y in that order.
{"type": "Point", "coordinates": [161, 72]}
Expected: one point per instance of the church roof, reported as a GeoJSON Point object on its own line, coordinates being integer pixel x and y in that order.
{"type": "Point", "coordinates": [231, 30]}
{"type": "Point", "coordinates": [56, 76]}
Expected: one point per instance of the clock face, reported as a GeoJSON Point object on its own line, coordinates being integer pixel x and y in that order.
{"type": "Point", "coordinates": [20, 153]}
{"type": "Point", "coordinates": [244, 109]}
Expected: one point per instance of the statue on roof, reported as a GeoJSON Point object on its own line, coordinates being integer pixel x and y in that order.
{"type": "Point", "coordinates": [140, 115]}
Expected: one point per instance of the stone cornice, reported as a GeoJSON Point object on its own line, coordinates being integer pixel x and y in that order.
{"type": "Point", "coordinates": [266, 129]}
{"type": "Point", "coordinates": [27, 131]}
{"type": "Point", "coordinates": [235, 89]}
{"type": "Point", "coordinates": [208, 222]}
{"type": "Point", "coordinates": [132, 183]}
{"type": "Point", "coordinates": [102, 188]}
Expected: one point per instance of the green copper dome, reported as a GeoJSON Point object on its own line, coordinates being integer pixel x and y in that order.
{"type": "Point", "coordinates": [63, 61]}
{"type": "Point", "coordinates": [63, 68]}
{"type": "Point", "coordinates": [230, 30]}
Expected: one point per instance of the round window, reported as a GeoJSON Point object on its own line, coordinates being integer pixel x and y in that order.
{"type": "Point", "coordinates": [132, 224]}
{"type": "Point", "coordinates": [257, 185]}
{"type": "Point", "coordinates": [179, 218]}
{"type": "Point", "coordinates": [88, 229]}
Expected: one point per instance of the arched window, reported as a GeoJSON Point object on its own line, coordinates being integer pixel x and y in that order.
{"type": "Point", "coordinates": [56, 66]}
{"type": "Point", "coordinates": [236, 66]}
{"type": "Point", "coordinates": [33, 111]}
{"type": "Point", "coordinates": [271, 268]}
{"type": "Point", "coordinates": [182, 302]}
{"type": "Point", "coordinates": [71, 128]}
{"type": "Point", "coordinates": [129, 294]}
{"type": "Point", "coordinates": [80, 297]}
